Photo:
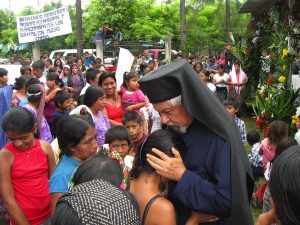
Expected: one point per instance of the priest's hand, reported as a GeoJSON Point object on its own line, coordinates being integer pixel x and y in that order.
{"type": "Point", "coordinates": [171, 168]}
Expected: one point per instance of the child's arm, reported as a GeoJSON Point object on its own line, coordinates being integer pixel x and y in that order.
{"type": "Point", "coordinates": [50, 157]}
{"type": "Point", "coordinates": [198, 218]}
{"type": "Point", "coordinates": [136, 106]}
{"type": "Point", "coordinates": [6, 190]}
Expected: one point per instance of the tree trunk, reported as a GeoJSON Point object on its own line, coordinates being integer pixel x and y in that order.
{"type": "Point", "coordinates": [79, 28]}
{"type": "Point", "coordinates": [182, 25]}
{"type": "Point", "coordinates": [228, 24]}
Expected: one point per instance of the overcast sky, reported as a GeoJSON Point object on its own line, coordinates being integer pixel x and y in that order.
{"type": "Point", "coordinates": [17, 5]}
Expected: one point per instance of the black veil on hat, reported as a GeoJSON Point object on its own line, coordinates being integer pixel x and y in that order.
{"type": "Point", "coordinates": [179, 78]}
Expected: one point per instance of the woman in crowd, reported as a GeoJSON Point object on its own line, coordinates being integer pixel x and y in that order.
{"type": "Point", "coordinates": [76, 81]}
{"type": "Point", "coordinates": [76, 137]}
{"type": "Point", "coordinates": [21, 92]}
{"type": "Point", "coordinates": [58, 64]}
{"type": "Point", "coordinates": [94, 99]}
{"type": "Point", "coordinates": [113, 100]}
{"type": "Point", "coordinates": [82, 68]}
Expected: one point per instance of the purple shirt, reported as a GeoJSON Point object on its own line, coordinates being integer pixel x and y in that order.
{"type": "Point", "coordinates": [102, 125]}
{"type": "Point", "coordinates": [45, 133]}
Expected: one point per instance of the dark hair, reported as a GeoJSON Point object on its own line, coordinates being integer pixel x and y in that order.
{"type": "Point", "coordinates": [164, 140]}
{"type": "Point", "coordinates": [105, 75]}
{"type": "Point", "coordinates": [283, 145]}
{"type": "Point", "coordinates": [128, 76]}
{"type": "Point", "coordinates": [52, 76]}
{"type": "Point", "coordinates": [55, 63]}
{"type": "Point", "coordinates": [285, 186]}
{"type": "Point", "coordinates": [20, 82]}
{"type": "Point", "coordinates": [24, 68]}
{"type": "Point", "coordinates": [277, 131]}
{"type": "Point", "coordinates": [205, 72]}
{"type": "Point", "coordinates": [99, 167]}
{"type": "Point", "coordinates": [60, 97]}
{"type": "Point", "coordinates": [30, 81]}
{"type": "Point", "coordinates": [221, 67]}
{"type": "Point", "coordinates": [237, 63]}
{"type": "Point", "coordinates": [143, 65]}
{"type": "Point", "coordinates": [132, 115]}
{"type": "Point", "coordinates": [91, 74]}
{"type": "Point", "coordinates": [18, 120]}
{"type": "Point", "coordinates": [49, 60]}
{"type": "Point", "coordinates": [232, 102]}
{"type": "Point", "coordinates": [34, 93]}
{"type": "Point", "coordinates": [117, 133]}
{"type": "Point", "coordinates": [52, 69]}
{"type": "Point", "coordinates": [91, 95]}
{"type": "Point", "coordinates": [3, 72]}
{"type": "Point", "coordinates": [196, 64]}
{"type": "Point", "coordinates": [253, 137]}
{"type": "Point", "coordinates": [39, 64]}
{"type": "Point", "coordinates": [70, 130]}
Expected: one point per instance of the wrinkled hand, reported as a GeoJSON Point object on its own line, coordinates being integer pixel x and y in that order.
{"type": "Point", "coordinates": [171, 168]}
{"type": "Point", "coordinates": [266, 218]}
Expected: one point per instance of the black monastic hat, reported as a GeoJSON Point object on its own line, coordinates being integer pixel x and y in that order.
{"type": "Point", "coordinates": [179, 78]}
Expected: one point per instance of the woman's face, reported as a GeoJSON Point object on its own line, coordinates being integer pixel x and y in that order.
{"type": "Point", "coordinates": [99, 104]}
{"type": "Point", "coordinates": [87, 147]}
{"type": "Point", "coordinates": [198, 68]}
{"type": "Point", "coordinates": [50, 83]}
{"type": "Point", "coordinates": [57, 62]}
{"type": "Point", "coordinates": [74, 70]}
{"type": "Point", "coordinates": [22, 141]}
{"type": "Point", "coordinates": [109, 86]}
{"type": "Point", "coordinates": [66, 71]}
{"type": "Point", "coordinates": [79, 62]}
{"type": "Point", "coordinates": [237, 68]}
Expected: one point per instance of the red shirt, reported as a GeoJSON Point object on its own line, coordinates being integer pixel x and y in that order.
{"type": "Point", "coordinates": [29, 175]}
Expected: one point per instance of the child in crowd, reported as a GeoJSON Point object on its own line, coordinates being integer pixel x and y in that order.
{"type": "Point", "coordinates": [132, 97]}
{"type": "Point", "coordinates": [220, 80]}
{"type": "Point", "coordinates": [280, 148]}
{"type": "Point", "coordinates": [63, 101]}
{"type": "Point", "coordinates": [20, 93]}
{"type": "Point", "coordinates": [232, 106]}
{"type": "Point", "coordinates": [133, 122]}
{"type": "Point", "coordinates": [255, 159]}
{"type": "Point", "coordinates": [284, 189]}
{"type": "Point", "coordinates": [76, 137]}
{"type": "Point", "coordinates": [277, 132]}
{"type": "Point", "coordinates": [118, 139]}
{"type": "Point", "coordinates": [26, 164]}
{"type": "Point", "coordinates": [204, 76]}
{"type": "Point", "coordinates": [35, 104]}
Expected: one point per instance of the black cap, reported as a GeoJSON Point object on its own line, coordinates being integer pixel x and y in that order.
{"type": "Point", "coordinates": [163, 84]}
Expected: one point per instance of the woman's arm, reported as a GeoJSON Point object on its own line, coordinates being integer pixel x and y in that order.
{"type": "Point", "coordinates": [6, 189]}
{"type": "Point", "coordinates": [50, 157]}
{"type": "Point", "coordinates": [51, 95]}
{"type": "Point", "coordinates": [54, 199]}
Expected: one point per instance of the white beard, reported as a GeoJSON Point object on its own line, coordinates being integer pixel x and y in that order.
{"type": "Point", "coordinates": [177, 128]}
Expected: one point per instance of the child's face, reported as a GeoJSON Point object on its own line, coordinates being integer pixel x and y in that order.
{"type": "Point", "coordinates": [203, 77]}
{"type": "Point", "coordinates": [135, 130]}
{"type": "Point", "coordinates": [232, 111]}
{"type": "Point", "coordinates": [133, 84]}
{"type": "Point", "coordinates": [121, 146]}
{"type": "Point", "coordinates": [4, 79]}
{"type": "Point", "coordinates": [67, 104]}
{"type": "Point", "coordinates": [22, 141]}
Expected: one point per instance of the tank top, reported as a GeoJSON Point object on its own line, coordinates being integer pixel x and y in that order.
{"type": "Point", "coordinates": [147, 208]}
{"type": "Point", "coordinates": [29, 176]}
{"type": "Point", "coordinates": [114, 113]}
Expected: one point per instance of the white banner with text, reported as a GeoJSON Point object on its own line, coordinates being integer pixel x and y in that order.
{"type": "Point", "coordinates": [44, 25]}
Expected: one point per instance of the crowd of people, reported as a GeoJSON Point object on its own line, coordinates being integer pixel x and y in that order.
{"type": "Point", "coordinates": [166, 147]}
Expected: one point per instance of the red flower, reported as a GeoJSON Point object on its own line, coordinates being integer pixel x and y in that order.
{"type": "Point", "coordinates": [267, 116]}
{"type": "Point", "coordinates": [259, 121]}
{"type": "Point", "coordinates": [270, 80]}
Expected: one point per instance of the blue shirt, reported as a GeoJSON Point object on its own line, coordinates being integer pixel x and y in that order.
{"type": "Point", "coordinates": [205, 186]}
{"type": "Point", "coordinates": [60, 179]}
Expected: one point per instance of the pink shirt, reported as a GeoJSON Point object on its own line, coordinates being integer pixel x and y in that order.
{"type": "Point", "coordinates": [131, 98]}
{"type": "Point", "coordinates": [268, 152]}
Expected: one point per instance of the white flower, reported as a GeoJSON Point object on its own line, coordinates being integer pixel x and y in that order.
{"type": "Point", "coordinates": [298, 111]}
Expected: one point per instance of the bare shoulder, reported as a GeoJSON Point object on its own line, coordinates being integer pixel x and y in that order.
{"type": "Point", "coordinates": [5, 157]}
{"type": "Point", "coordinates": [162, 212]}
{"type": "Point", "coordinates": [46, 146]}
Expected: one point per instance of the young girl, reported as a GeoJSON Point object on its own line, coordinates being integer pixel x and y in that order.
{"type": "Point", "coordinates": [94, 99]}
{"type": "Point", "coordinates": [35, 104]}
{"type": "Point", "coordinates": [220, 80]}
{"type": "Point", "coordinates": [64, 76]}
{"type": "Point", "coordinates": [20, 93]}
{"type": "Point", "coordinates": [147, 186]}
{"type": "Point", "coordinates": [76, 137]}
{"type": "Point", "coordinates": [53, 83]}
{"type": "Point", "coordinates": [76, 81]}
{"type": "Point", "coordinates": [277, 132]}
{"type": "Point", "coordinates": [58, 64]}
{"type": "Point", "coordinates": [204, 76]}
{"type": "Point", "coordinates": [132, 97]}
{"type": "Point", "coordinates": [26, 164]}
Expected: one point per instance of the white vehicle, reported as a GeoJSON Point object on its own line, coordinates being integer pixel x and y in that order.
{"type": "Point", "coordinates": [65, 53]}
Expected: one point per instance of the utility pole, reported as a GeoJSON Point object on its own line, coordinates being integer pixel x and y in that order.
{"type": "Point", "coordinates": [79, 28]}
